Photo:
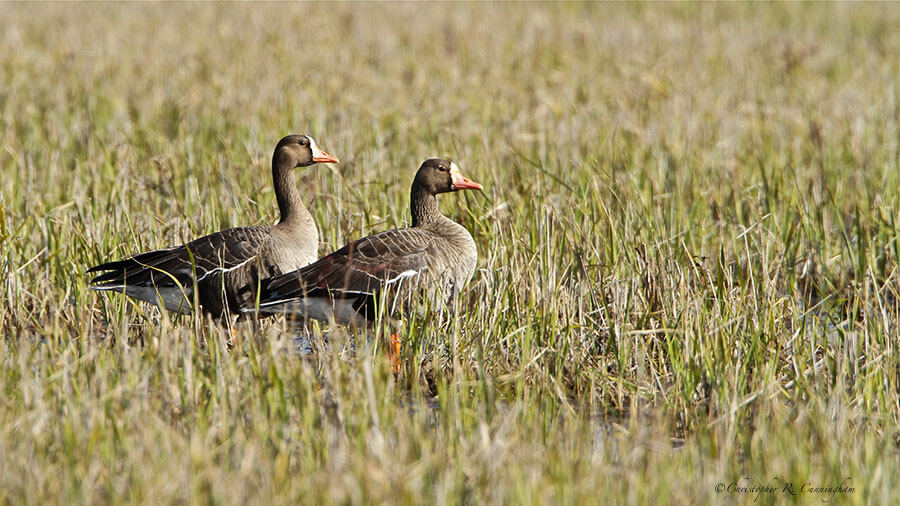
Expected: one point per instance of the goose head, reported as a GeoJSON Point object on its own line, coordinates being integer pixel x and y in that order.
{"type": "Point", "coordinates": [300, 151]}
{"type": "Point", "coordinates": [441, 176]}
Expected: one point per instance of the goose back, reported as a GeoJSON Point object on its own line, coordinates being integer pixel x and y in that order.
{"type": "Point", "coordinates": [224, 268]}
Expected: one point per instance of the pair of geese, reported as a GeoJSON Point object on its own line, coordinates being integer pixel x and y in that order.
{"type": "Point", "coordinates": [266, 270]}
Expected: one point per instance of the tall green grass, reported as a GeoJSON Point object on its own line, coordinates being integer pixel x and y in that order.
{"type": "Point", "coordinates": [688, 242]}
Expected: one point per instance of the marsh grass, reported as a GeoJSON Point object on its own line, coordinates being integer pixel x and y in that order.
{"type": "Point", "coordinates": [688, 242]}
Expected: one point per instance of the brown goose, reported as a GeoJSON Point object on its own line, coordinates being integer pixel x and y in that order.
{"type": "Point", "coordinates": [435, 256]}
{"type": "Point", "coordinates": [226, 266]}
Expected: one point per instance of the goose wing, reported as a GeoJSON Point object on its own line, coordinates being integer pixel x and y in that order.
{"type": "Point", "coordinates": [170, 274]}
{"type": "Point", "coordinates": [355, 272]}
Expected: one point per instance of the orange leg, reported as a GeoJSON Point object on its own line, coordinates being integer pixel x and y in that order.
{"type": "Point", "coordinates": [394, 351]}
{"type": "Point", "coordinates": [232, 339]}
{"type": "Point", "coordinates": [233, 333]}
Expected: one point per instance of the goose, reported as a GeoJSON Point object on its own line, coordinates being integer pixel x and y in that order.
{"type": "Point", "coordinates": [225, 267]}
{"type": "Point", "coordinates": [434, 257]}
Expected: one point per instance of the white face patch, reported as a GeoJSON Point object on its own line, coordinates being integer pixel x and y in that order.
{"type": "Point", "coordinates": [455, 175]}
{"type": "Point", "coordinates": [317, 153]}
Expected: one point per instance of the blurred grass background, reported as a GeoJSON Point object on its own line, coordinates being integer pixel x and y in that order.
{"type": "Point", "coordinates": [688, 250]}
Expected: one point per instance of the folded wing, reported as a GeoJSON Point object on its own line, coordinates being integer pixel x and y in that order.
{"type": "Point", "coordinates": [344, 283]}
{"type": "Point", "coordinates": [169, 275]}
